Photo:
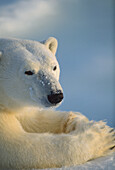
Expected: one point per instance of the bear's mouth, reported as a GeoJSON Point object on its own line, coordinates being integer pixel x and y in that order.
{"type": "Point", "coordinates": [52, 100]}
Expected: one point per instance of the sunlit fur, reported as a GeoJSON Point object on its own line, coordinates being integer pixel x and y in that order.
{"type": "Point", "coordinates": [32, 136]}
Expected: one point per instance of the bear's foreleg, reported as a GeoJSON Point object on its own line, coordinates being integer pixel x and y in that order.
{"type": "Point", "coordinates": [51, 121]}
{"type": "Point", "coordinates": [20, 149]}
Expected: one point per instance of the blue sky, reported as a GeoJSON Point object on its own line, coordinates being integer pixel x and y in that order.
{"type": "Point", "coordinates": [84, 29]}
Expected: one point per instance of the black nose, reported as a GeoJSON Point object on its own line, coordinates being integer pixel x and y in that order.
{"type": "Point", "coordinates": [55, 98]}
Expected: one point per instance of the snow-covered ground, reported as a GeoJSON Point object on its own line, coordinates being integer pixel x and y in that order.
{"type": "Point", "coordinates": [103, 163]}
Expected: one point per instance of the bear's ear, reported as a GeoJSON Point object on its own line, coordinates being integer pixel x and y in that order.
{"type": "Point", "coordinates": [51, 44]}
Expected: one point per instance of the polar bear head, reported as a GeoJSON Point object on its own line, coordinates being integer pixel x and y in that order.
{"type": "Point", "coordinates": [29, 73]}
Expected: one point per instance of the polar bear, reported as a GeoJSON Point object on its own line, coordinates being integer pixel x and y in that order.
{"type": "Point", "coordinates": [31, 134]}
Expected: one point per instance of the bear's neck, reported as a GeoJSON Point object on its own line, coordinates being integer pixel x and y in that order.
{"type": "Point", "coordinates": [6, 103]}
{"type": "Point", "coordinates": [10, 105]}
{"type": "Point", "coordinates": [18, 110]}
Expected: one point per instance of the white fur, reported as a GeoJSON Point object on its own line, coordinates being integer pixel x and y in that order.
{"type": "Point", "coordinates": [33, 137]}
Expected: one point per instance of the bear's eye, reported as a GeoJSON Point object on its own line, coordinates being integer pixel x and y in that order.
{"type": "Point", "coordinates": [29, 73]}
{"type": "Point", "coordinates": [54, 68]}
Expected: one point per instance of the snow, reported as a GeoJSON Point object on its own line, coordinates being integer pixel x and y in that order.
{"type": "Point", "coordinates": [103, 163]}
